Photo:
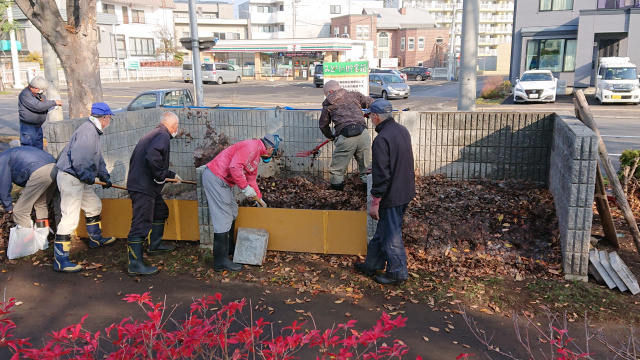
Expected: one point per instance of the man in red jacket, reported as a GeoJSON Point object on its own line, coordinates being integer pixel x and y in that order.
{"type": "Point", "coordinates": [236, 165]}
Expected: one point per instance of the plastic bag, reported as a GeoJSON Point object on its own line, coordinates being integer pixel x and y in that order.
{"type": "Point", "coordinates": [26, 241]}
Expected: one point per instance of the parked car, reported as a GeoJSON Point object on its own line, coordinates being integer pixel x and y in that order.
{"type": "Point", "coordinates": [617, 81]}
{"type": "Point", "coordinates": [388, 86]}
{"type": "Point", "coordinates": [535, 85]}
{"type": "Point", "coordinates": [213, 72]}
{"type": "Point", "coordinates": [159, 98]}
{"type": "Point", "coordinates": [389, 71]}
{"type": "Point", "coordinates": [318, 76]}
{"type": "Point", "coordinates": [416, 73]}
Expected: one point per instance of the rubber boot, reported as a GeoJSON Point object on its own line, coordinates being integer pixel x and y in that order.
{"type": "Point", "coordinates": [94, 230]}
{"type": "Point", "coordinates": [156, 246]}
{"type": "Point", "coordinates": [338, 187]}
{"type": "Point", "coordinates": [221, 260]}
{"type": "Point", "coordinates": [137, 267]}
{"type": "Point", "coordinates": [232, 239]}
{"type": "Point", "coordinates": [61, 262]}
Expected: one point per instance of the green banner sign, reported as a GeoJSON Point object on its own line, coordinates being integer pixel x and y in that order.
{"type": "Point", "coordinates": [352, 68]}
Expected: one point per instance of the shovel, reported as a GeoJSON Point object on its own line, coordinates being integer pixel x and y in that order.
{"type": "Point", "coordinates": [124, 188]}
{"type": "Point", "coordinates": [314, 151]}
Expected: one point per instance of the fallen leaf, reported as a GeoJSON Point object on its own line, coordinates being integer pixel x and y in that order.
{"type": "Point", "coordinates": [434, 329]}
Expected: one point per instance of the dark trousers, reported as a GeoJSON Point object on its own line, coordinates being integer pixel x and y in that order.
{"type": "Point", "coordinates": [31, 136]}
{"type": "Point", "coordinates": [386, 246]}
{"type": "Point", "coordinates": [147, 209]}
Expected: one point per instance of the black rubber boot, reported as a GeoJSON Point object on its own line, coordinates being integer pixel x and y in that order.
{"type": "Point", "coordinates": [136, 262]}
{"type": "Point", "coordinates": [232, 239]}
{"type": "Point", "coordinates": [221, 260]}
{"type": "Point", "coordinates": [156, 246]}
{"type": "Point", "coordinates": [338, 187]}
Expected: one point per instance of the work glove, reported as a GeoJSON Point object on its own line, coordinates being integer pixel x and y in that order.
{"type": "Point", "coordinates": [104, 177]}
{"type": "Point", "coordinates": [107, 184]}
{"type": "Point", "coordinates": [375, 206]}
{"type": "Point", "coordinates": [261, 203]}
{"type": "Point", "coordinates": [177, 177]}
{"type": "Point", "coordinates": [249, 192]}
{"type": "Point", "coordinates": [90, 181]}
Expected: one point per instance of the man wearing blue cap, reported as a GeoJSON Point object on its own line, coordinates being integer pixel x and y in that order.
{"type": "Point", "coordinates": [79, 164]}
{"type": "Point", "coordinates": [393, 187]}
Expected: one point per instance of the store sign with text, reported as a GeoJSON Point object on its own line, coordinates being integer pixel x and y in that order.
{"type": "Point", "coordinates": [352, 75]}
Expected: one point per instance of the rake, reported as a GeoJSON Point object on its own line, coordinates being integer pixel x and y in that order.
{"type": "Point", "coordinates": [312, 152]}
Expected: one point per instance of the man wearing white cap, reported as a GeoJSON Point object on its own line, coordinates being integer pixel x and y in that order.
{"type": "Point", "coordinates": [350, 136]}
{"type": "Point", "coordinates": [33, 107]}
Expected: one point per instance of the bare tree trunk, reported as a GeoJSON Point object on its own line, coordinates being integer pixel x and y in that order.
{"type": "Point", "coordinates": [75, 43]}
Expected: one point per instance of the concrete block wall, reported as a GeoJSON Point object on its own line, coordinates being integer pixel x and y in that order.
{"type": "Point", "coordinates": [572, 176]}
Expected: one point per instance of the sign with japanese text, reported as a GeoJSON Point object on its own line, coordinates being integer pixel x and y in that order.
{"type": "Point", "coordinates": [390, 63]}
{"type": "Point", "coordinates": [352, 75]}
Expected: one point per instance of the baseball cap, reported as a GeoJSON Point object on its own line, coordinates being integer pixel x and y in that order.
{"type": "Point", "coordinates": [380, 106]}
{"type": "Point", "coordinates": [101, 108]}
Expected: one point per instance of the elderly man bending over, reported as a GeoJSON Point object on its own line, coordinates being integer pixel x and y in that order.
{"type": "Point", "coordinates": [148, 171]}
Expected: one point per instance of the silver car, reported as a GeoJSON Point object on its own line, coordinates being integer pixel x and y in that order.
{"type": "Point", "coordinates": [388, 86]}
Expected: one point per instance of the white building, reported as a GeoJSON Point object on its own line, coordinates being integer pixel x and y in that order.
{"type": "Point", "coordinates": [141, 25]}
{"type": "Point", "coordinates": [496, 20]}
{"type": "Point", "coordinates": [286, 19]}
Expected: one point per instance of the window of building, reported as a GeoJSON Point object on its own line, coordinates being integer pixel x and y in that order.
{"type": "Point", "coordinates": [281, 28]}
{"type": "Point", "coordinates": [420, 43]}
{"type": "Point", "coordinates": [365, 31]}
{"type": "Point", "coordinates": [108, 9]}
{"type": "Point", "coordinates": [266, 28]}
{"type": "Point", "coordinates": [383, 40]}
{"type": "Point", "coordinates": [402, 44]}
{"type": "Point", "coordinates": [439, 40]}
{"type": "Point", "coordinates": [346, 30]}
{"type": "Point", "coordinates": [555, 5]}
{"type": "Point", "coordinates": [281, 8]}
{"type": "Point", "coordinates": [336, 31]}
{"type": "Point", "coordinates": [141, 47]}
{"type": "Point", "coordinates": [120, 46]}
{"type": "Point", "coordinates": [359, 32]}
{"type": "Point", "coordinates": [186, 34]}
{"type": "Point", "coordinates": [334, 9]}
{"type": "Point", "coordinates": [552, 54]}
{"type": "Point", "coordinates": [137, 16]}
{"type": "Point", "coordinates": [383, 54]}
{"type": "Point", "coordinates": [125, 15]}
{"type": "Point", "coordinates": [412, 44]}
{"type": "Point", "coordinates": [264, 9]}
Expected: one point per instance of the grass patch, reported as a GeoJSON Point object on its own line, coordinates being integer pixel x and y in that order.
{"type": "Point", "coordinates": [498, 101]}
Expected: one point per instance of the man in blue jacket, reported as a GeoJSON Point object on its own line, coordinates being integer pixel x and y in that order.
{"type": "Point", "coordinates": [35, 171]}
{"type": "Point", "coordinates": [148, 171]}
{"type": "Point", "coordinates": [33, 107]}
{"type": "Point", "coordinates": [393, 187]}
{"type": "Point", "coordinates": [79, 164]}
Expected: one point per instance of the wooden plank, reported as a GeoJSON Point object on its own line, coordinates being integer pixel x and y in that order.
{"type": "Point", "coordinates": [604, 211]}
{"type": "Point", "coordinates": [582, 109]}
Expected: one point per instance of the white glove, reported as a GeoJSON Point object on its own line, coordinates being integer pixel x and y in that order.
{"type": "Point", "coordinates": [177, 177]}
{"type": "Point", "coordinates": [249, 192]}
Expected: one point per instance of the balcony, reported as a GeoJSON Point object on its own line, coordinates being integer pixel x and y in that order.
{"type": "Point", "coordinates": [268, 18]}
{"type": "Point", "coordinates": [502, 18]}
{"type": "Point", "coordinates": [618, 4]}
{"type": "Point", "coordinates": [504, 7]}
{"type": "Point", "coordinates": [487, 7]}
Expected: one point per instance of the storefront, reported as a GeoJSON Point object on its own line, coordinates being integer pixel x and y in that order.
{"type": "Point", "coordinates": [294, 59]}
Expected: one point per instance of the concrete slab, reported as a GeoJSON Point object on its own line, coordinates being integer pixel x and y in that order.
{"type": "Point", "coordinates": [251, 246]}
{"type": "Point", "coordinates": [596, 274]}
{"type": "Point", "coordinates": [604, 259]}
{"type": "Point", "coordinates": [623, 271]}
{"type": "Point", "coordinates": [594, 260]}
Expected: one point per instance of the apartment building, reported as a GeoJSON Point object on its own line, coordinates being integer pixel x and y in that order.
{"type": "Point", "coordinates": [300, 19]}
{"type": "Point", "coordinates": [568, 37]}
{"type": "Point", "coordinates": [496, 20]}
{"type": "Point", "coordinates": [408, 34]}
{"type": "Point", "coordinates": [214, 19]}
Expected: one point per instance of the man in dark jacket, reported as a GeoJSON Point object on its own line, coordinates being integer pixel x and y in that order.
{"type": "Point", "coordinates": [33, 107]}
{"type": "Point", "coordinates": [148, 171]}
{"type": "Point", "coordinates": [350, 135]}
{"type": "Point", "coordinates": [35, 170]}
{"type": "Point", "coordinates": [392, 189]}
{"type": "Point", "coordinates": [79, 164]}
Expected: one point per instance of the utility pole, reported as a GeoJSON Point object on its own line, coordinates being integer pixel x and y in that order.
{"type": "Point", "coordinates": [469, 56]}
{"type": "Point", "coordinates": [17, 83]}
{"type": "Point", "coordinates": [195, 51]}
{"type": "Point", "coordinates": [452, 43]}
{"type": "Point", "coordinates": [115, 37]}
{"type": "Point", "coordinates": [50, 61]}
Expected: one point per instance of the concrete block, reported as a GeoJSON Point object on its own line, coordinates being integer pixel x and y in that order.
{"type": "Point", "coordinates": [623, 271]}
{"type": "Point", "coordinates": [604, 260]}
{"type": "Point", "coordinates": [251, 246]}
{"type": "Point", "coordinates": [598, 270]}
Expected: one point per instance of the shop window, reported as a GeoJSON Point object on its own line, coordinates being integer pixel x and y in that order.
{"type": "Point", "coordinates": [552, 54]}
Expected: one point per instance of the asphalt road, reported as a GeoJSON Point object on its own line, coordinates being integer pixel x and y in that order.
{"type": "Point", "coordinates": [619, 124]}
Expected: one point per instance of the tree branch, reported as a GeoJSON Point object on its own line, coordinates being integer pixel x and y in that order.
{"type": "Point", "coordinates": [45, 16]}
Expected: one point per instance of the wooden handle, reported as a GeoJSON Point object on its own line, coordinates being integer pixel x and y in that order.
{"type": "Point", "coordinates": [181, 181]}
{"type": "Point", "coordinates": [113, 186]}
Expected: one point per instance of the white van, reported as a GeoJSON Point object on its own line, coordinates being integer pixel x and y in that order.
{"type": "Point", "coordinates": [617, 81]}
{"type": "Point", "coordinates": [213, 72]}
